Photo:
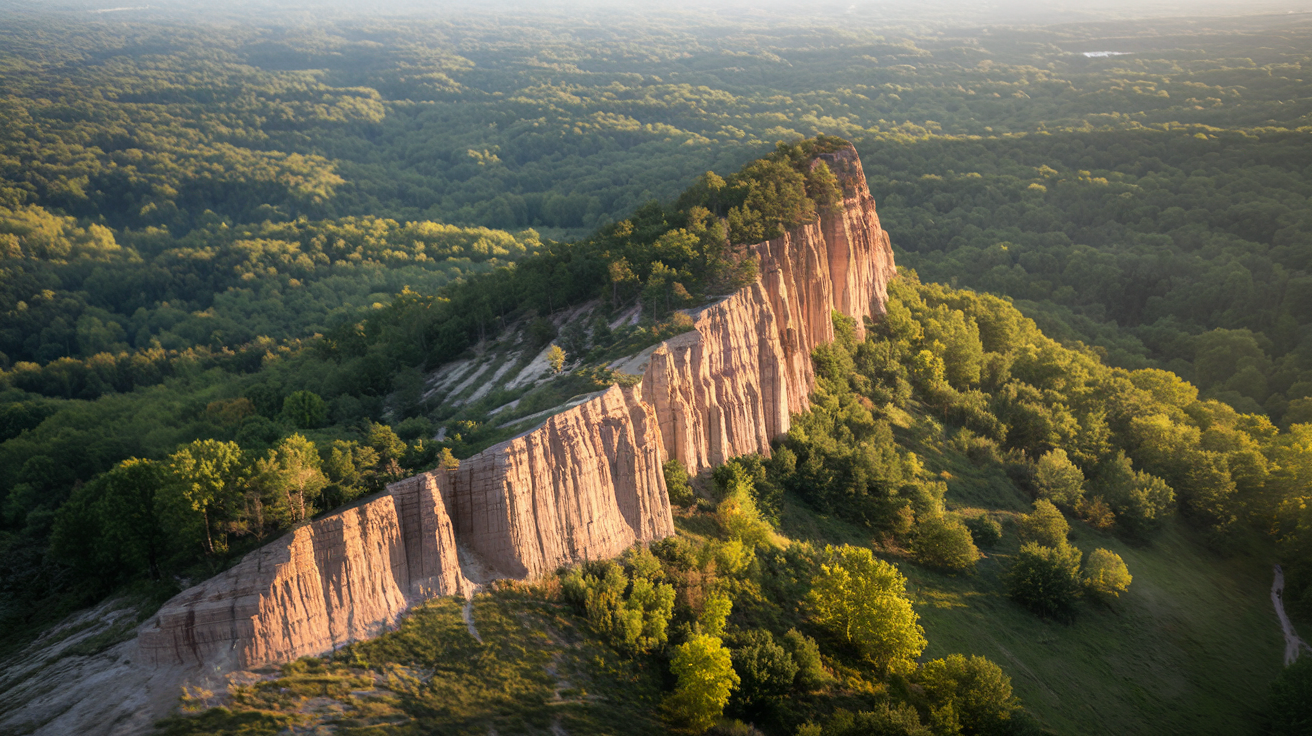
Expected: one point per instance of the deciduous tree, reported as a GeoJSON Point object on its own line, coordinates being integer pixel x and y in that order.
{"type": "Point", "coordinates": [863, 600]}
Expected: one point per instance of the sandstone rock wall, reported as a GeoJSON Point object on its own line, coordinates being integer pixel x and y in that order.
{"type": "Point", "coordinates": [586, 484]}
{"type": "Point", "coordinates": [730, 386]}
{"type": "Point", "coordinates": [345, 577]}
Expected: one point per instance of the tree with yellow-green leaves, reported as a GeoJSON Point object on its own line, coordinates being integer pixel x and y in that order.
{"type": "Point", "coordinates": [704, 670]}
{"type": "Point", "coordinates": [863, 600]}
{"type": "Point", "coordinates": [556, 358]}
{"type": "Point", "coordinates": [1106, 575]}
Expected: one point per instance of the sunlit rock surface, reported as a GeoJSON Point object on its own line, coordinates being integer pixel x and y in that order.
{"type": "Point", "coordinates": [586, 484]}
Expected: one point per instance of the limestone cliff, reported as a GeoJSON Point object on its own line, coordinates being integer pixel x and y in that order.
{"type": "Point", "coordinates": [585, 484]}
{"type": "Point", "coordinates": [731, 385]}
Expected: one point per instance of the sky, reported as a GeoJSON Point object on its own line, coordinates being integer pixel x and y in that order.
{"type": "Point", "coordinates": [947, 12]}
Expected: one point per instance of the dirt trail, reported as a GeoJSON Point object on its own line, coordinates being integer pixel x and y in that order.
{"type": "Point", "coordinates": [1293, 644]}
{"type": "Point", "coordinates": [468, 613]}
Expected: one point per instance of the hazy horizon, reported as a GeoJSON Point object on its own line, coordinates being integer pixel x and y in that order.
{"type": "Point", "coordinates": [939, 14]}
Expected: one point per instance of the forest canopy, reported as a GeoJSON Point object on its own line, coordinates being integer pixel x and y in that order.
{"type": "Point", "coordinates": [249, 245]}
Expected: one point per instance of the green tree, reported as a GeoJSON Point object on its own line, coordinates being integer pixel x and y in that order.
{"type": "Point", "coordinates": [705, 678]}
{"type": "Point", "coordinates": [1105, 574]}
{"type": "Point", "coordinates": [811, 674]}
{"type": "Point", "coordinates": [738, 513]}
{"type": "Point", "coordinates": [945, 543]}
{"type": "Point", "coordinates": [1046, 579]}
{"type": "Point", "coordinates": [863, 600]}
{"type": "Point", "coordinates": [204, 488]}
{"type": "Point", "coordinates": [1140, 500]}
{"type": "Point", "coordinates": [1045, 525]}
{"type": "Point", "coordinates": [767, 670]}
{"type": "Point", "coordinates": [305, 410]}
{"type": "Point", "coordinates": [110, 527]}
{"type": "Point", "coordinates": [633, 614]}
{"type": "Point", "coordinates": [1058, 480]}
{"type": "Point", "coordinates": [298, 474]}
{"type": "Point", "coordinates": [977, 689]}
{"type": "Point", "coordinates": [383, 439]}
{"type": "Point", "coordinates": [676, 483]}
{"type": "Point", "coordinates": [715, 614]}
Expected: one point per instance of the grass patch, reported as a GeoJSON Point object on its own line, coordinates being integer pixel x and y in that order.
{"type": "Point", "coordinates": [538, 668]}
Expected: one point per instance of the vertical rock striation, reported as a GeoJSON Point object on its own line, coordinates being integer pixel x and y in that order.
{"type": "Point", "coordinates": [731, 385]}
{"type": "Point", "coordinates": [345, 577]}
{"type": "Point", "coordinates": [586, 484]}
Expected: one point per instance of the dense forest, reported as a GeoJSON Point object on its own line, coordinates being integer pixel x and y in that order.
{"type": "Point", "coordinates": [230, 254]}
{"type": "Point", "coordinates": [1052, 455]}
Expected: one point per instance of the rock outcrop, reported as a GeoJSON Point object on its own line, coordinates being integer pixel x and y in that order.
{"type": "Point", "coordinates": [345, 577]}
{"type": "Point", "coordinates": [586, 484]}
{"type": "Point", "coordinates": [731, 385]}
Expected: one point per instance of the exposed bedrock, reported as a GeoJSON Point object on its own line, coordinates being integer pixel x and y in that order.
{"type": "Point", "coordinates": [731, 385]}
{"type": "Point", "coordinates": [345, 577]}
{"type": "Point", "coordinates": [585, 484]}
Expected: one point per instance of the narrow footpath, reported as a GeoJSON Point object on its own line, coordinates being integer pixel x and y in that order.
{"type": "Point", "coordinates": [1293, 644]}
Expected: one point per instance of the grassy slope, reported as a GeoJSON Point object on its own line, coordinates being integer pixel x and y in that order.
{"type": "Point", "coordinates": [1191, 648]}
{"type": "Point", "coordinates": [536, 670]}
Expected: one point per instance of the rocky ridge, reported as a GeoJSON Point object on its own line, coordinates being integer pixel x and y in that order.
{"type": "Point", "coordinates": [585, 484]}
{"type": "Point", "coordinates": [731, 385]}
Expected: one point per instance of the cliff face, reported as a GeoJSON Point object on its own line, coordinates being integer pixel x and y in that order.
{"type": "Point", "coordinates": [345, 577]}
{"type": "Point", "coordinates": [587, 484]}
{"type": "Point", "coordinates": [584, 485]}
{"type": "Point", "coordinates": [731, 385]}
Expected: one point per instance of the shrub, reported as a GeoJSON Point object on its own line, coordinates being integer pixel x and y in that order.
{"type": "Point", "coordinates": [1291, 699]}
{"type": "Point", "coordinates": [414, 428]}
{"type": "Point", "coordinates": [1105, 574]}
{"type": "Point", "coordinates": [984, 529]}
{"type": "Point", "coordinates": [676, 483]}
{"type": "Point", "coordinates": [1046, 579]}
{"type": "Point", "coordinates": [895, 720]}
{"type": "Point", "coordinates": [1045, 525]}
{"type": "Point", "coordinates": [945, 543]}
{"type": "Point", "coordinates": [977, 690]}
